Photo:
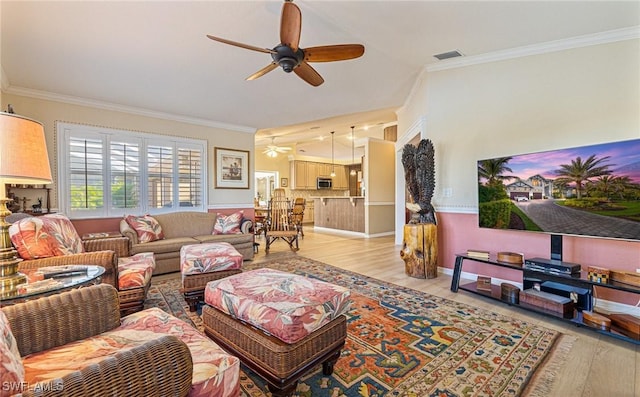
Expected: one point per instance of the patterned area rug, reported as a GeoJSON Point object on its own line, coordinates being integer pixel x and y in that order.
{"type": "Point", "coordinates": [402, 342]}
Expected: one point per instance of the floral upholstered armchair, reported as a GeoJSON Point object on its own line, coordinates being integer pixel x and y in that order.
{"type": "Point", "coordinates": [75, 344]}
{"type": "Point", "coordinates": [52, 240]}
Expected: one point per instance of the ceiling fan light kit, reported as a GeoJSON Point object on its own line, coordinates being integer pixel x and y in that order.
{"type": "Point", "coordinates": [273, 150]}
{"type": "Point", "coordinates": [290, 57]}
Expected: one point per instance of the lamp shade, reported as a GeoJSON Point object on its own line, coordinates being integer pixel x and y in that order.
{"type": "Point", "coordinates": [23, 151]}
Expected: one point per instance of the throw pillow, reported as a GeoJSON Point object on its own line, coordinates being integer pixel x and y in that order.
{"type": "Point", "coordinates": [31, 238]}
{"type": "Point", "coordinates": [61, 228]}
{"type": "Point", "coordinates": [228, 224]}
{"type": "Point", "coordinates": [45, 236]}
{"type": "Point", "coordinates": [146, 227]}
{"type": "Point", "coordinates": [11, 367]}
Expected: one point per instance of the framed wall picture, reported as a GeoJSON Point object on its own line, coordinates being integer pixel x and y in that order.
{"type": "Point", "coordinates": [231, 168]}
{"type": "Point", "coordinates": [284, 182]}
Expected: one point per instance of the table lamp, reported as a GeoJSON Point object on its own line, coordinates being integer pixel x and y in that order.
{"type": "Point", "coordinates": [23, 160]}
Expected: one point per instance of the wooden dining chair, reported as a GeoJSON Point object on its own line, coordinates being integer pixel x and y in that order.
{"type": "Point", "coordinates": [297, 214]}
{"type": "Point", "coordinates": [279, 223]}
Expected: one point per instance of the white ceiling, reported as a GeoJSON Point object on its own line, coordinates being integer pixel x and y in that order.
{"type": "Point", "coordinates": [155, 56]}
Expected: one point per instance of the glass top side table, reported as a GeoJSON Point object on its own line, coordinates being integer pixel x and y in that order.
{"type": "Point", "coordinates": [53, 280]}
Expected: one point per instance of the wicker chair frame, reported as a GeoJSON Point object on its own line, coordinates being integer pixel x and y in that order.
{"type": "Point", "coordinates": [160, 367]}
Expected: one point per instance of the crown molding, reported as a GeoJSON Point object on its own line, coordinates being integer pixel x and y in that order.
{"type": "Point", "coordinates": [73, 100]}
{"type": "Point", "coordinates": [418, 127]}
{"type": "Point", "coordinates": [415, 89]}
{"type": "Point", "coordinates": [610, 36]}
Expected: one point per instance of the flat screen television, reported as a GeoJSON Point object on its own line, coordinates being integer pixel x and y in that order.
{"type": "Point", "coordinates": [590, 191]}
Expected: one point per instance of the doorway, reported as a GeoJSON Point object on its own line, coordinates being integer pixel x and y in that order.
{"type": "Point", "coordinates": [265, 183]}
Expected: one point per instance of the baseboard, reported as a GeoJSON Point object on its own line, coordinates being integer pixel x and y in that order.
{"type": "Point", "coordinates": [338, 231]}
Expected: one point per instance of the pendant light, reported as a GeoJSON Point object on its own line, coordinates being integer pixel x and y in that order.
{"type": "Point", "coordinates": [353, 161]}
{"type": "Point", "coordinates": [333, 166]}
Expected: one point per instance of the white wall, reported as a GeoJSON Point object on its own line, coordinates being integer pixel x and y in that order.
{"type": "Point", "coordinates": [556, 100]}
{"type": "Point", "coordinates": [563, 99]}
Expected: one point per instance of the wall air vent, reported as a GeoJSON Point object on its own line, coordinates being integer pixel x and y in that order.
{"type": "Point", "coordinates": [447, 55]}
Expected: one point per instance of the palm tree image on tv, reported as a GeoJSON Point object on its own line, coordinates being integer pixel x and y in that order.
{"type": "Point", "coordinates": [590, 191]}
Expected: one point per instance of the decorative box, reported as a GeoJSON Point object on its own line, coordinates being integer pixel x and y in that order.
{"type": "Point", "coordinates": [511, 257]}
{"type": "Point", "coordinates": [483, 283]}
{"type": "Point", "coordinates": [581, 297]}
{"type": "Point", "coordinates": [598, 274]}
{"type": "Point", "coordinates": [509, 293]}
{"type": "Point", "coordinates": [556, 305]}
{"type": "Point", "coordinates": [596, 320]}
{"type": "Point", "coordinates": [626, 277]}
{"type": "Point", "coordinates": [626, 324]}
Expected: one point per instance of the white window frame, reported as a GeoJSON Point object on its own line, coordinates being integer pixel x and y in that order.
{"type": "Point", "coordinates": [66, 130]}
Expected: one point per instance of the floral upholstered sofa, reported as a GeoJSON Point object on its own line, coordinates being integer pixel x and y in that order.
{"type": "Point", "coordinates": [76, 344]}
{"type": "Point", "coordinates": [165, 234]}
{"type": "Point", "coordinates": [52, 240]}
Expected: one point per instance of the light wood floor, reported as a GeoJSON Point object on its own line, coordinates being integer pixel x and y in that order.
{"type": "Point", "coordinates": [596, 365]}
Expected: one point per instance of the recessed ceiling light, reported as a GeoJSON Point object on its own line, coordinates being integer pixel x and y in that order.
{"type": "Point", "coordinates": [449, 54]}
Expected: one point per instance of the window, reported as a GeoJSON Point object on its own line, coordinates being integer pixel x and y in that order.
{"type": "Point", "coordinates": [102, 172]}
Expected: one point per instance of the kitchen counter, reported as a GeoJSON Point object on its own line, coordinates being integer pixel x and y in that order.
{"type": "Point", "coordinates": [339, 212]}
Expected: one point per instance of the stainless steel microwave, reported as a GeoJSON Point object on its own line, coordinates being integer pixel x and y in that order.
{"type": "Point", "coordinates": [324, 183]}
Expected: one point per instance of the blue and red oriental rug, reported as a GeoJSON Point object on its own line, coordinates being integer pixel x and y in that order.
{"type": "Point", "coordinates": [402, 342]}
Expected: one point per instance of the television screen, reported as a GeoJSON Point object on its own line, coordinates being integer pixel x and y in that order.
{"type": "Point", "coordinates": [586, 191]}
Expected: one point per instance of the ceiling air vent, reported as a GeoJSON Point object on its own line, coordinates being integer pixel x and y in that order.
{"type": "Point", "coordinates": [447, 55]}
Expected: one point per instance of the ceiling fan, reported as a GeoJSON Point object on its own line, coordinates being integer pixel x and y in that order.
{"type": "Point", "coordinates": [290, 57]}
{"type": "Point", "coordinates": [273, 150]}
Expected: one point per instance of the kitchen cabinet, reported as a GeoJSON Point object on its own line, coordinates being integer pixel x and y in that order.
{"type": "Point", "coordinates": [304, 175]}
{"type": "Point", "coordinates": [324, 170]}
{"type": "Point", "coordinates": [340, 181]}
{"type": "Point", "coordinates": [312, 175]}
{"type": "Point", "coordinates": [308, 212]}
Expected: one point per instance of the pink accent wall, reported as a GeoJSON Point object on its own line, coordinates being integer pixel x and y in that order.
{"type": "Point", "coordinates": [84, 226]}
{"type": "Point", "coordinates": [459, 232]}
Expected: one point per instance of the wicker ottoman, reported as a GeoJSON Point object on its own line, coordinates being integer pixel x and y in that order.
{"type": "Point", "coordinates": [279, 324]}
{"type": "Point", "coordinates": [134, 280]}
{"type": "Point", "coordinates": [201, 263]}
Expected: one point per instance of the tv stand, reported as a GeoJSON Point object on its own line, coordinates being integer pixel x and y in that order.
{"type": "Point", "coordinates": [529, 277]}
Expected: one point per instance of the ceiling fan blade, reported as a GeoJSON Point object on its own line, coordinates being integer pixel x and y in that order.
{"type": "Point", "coordinates": [330, 53]}
{"type": "Point", "coordinates": [263, 71]}
{"type": "Point", "coordinates": [283, 149]}
{"type": "Point", "coordinates": [290, 25]}
{"type": "Point", "coordinates": [308, 74]}
{"type": "Point", "coordinates": [241, 45]}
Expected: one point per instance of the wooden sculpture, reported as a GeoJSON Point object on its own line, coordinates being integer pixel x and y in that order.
{"type": "Point", "coordinates": [420, 241]}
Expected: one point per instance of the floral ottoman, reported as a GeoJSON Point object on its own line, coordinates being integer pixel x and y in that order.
{"type": "Point", "coordinates": [279, 324]}
{"type": "Point", "coordinates": [134, 280]}
{"type": "Point", "coordinates": [201, 263]}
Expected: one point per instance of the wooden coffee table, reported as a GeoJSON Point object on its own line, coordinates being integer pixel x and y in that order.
{"type": "Point", "coordinates": [53, 280]}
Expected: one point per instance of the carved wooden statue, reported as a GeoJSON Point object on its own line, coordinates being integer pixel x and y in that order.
{"type": "Point", "coordinates": [420, 241]}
